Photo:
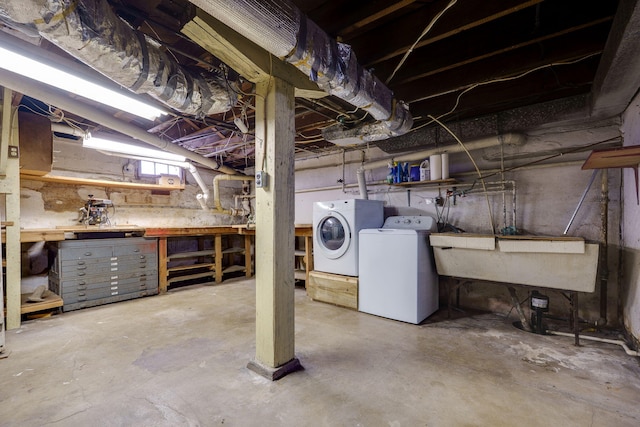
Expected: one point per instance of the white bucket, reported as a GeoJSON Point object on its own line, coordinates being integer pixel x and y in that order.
{"type": "Point", "coordinates": [424, 171]}
{"type": "Point", "coordinates": [436, 167]}
{"type": "Point", "coordinates": [445, 165]}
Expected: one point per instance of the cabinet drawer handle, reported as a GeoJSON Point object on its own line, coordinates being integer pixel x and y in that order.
{"type": "Point", "coordinates": [81, 262]}
{"type": "Point", "coordinates": [82, 267]}
{"type": "Point", "coordinates": [81, 294]}
{"type": "Point", "coordinates": [88, 254]}
{"type": "Point", "coordinates": [81, 288]}
{"type": "Point", "coordinates": [136, 250]}
{"type": "Point", "coordinates": [81, 273]}
{"type": "Point", "coordinates": [142, 256]}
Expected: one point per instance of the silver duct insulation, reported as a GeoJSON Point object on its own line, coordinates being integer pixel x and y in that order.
{"type": "Point", "coordinates": [279, 27]}
{"type": "Point", "coordinates": [90, 31]}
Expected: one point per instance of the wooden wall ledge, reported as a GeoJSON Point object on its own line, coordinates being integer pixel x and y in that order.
{"type": "Point", "coordinates": [99, 182]}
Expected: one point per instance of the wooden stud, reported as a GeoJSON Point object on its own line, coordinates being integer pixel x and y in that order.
{"type": "Point", "coordinates": [162, 265]}
{"type": "Point", "coordinates": [217, 246]}
{"type": "Point", "coordinates": [11, 185]}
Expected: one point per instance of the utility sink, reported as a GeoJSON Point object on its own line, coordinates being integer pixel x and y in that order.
{"type": "Point", "coordinates": [566, 263]}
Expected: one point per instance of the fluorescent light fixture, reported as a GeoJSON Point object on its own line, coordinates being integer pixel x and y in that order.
{"type": "Point", "coordinates": [133, 150]}
{"type": "Point", "coordinates": [51, 76]}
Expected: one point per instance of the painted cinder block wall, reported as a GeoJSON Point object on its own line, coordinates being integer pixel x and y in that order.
{"type": "Point", "coordinates": [630, 282]}
{"type": "Point", "coordinates": [50, 205]}
{"type": "Point", "coordinates": [546, 196]}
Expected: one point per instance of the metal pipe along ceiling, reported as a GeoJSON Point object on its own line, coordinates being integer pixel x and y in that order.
{"type": "Point", "coordinates": [279, 27]}
{"type": "Point", "coordinates": [90, 31]}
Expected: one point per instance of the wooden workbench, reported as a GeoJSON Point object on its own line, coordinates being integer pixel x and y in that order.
{"type": "Point", "coordinates": [163, 233]}
{"type": "Point", "coordinates": [301, 230]}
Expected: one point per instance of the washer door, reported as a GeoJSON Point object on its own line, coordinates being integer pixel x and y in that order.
{"type": "Point", "coordinates": [333, 235]}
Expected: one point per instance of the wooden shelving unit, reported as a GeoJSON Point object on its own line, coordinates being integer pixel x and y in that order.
{"type": "Point", "coordinates": [203, 266]}
{"type": "Point", "coordinates": [212, 253]}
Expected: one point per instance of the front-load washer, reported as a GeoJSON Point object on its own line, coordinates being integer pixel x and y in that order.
{"type": "Point", "coordinates": [336, 225]}
{"type": "Point", "coordinates": [398, 278]}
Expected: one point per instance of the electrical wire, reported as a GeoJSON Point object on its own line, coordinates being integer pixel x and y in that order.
{"type": "Point", "coordinates": [475, 165]}
{"type": "Point", "coordinates": [424, 33]}
{"type": "Point", "coordinates": [499, 80]}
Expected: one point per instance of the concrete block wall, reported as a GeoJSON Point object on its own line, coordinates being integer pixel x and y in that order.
{"type": "Point", "coordinates": [546, 196]}
{"type": "Point", "coordinates": [630, 282]}
{"type": "Point", "coordinates": [49, 205]}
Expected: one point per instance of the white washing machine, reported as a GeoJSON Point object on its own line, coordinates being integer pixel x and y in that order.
{"type": "Point", "coordinates": [398, 278]}
{"type": "Point", "coordinates": [335, 233]}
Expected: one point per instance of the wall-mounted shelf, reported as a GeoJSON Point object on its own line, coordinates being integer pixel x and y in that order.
{"type": "Point", "coordinates": [622, 157]}
{"type": "Point", "coordinates": [433, 183]}
{"type": "Point", "coordinates": [100, 182]}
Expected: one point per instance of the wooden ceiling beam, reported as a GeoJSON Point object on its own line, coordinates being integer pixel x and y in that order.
{"type": "Point", "coordinates": [505, 66]}
{"type": "Point", "coordinates": [245, 57]}
{"type": "Point", "coordinates": [540, 86]}
{"type": "Point", "coordinates": [393, 40]}
{"type": "Point", "coordinates": [476, 46]}
{"type": "Point", "coordinates": [344, 19]}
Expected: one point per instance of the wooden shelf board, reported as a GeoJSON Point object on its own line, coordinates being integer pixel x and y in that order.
{"type": "Point", "coordinates": [233, 250]}
{"type": "Point", "coordinates": [210, 266]}
{"type": "Point", "coordinates": [189, 231]}
{"type": "Point", "coordinates": [434, 182]}
{"type": "Point", "coordinates": [622, 157]}
{"type": "Point", "coordinates": [189, 277]}
{"type": "Point", "coordinates": [51, 301]}
{"type": "Point", "coordinates": [233, 269]}
{"type": "Point", "coordinates": [194, 254]}
{"type": "Point", "coordinates": [99, 182]}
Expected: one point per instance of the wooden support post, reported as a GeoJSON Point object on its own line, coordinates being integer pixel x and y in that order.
{"type": "Point", "coordinates": [308, 257]}
{"type": "Point", "coordinates": [11, 187]}
{"type": "Point", "coordinates": [217, 246]}
{"type": "Point", "coordinates": [162, 265]}
{"type": "Point", "coordinates": [248, 271]}
{"type": "Point", "coordinates": [275, 231]}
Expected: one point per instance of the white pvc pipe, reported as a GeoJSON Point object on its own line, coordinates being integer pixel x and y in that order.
{"type": "Point", "coordinates": [216, 193]}
{"type": "Point", "coordinates": [605, 340]}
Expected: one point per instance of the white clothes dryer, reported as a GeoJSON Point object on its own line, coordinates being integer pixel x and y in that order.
{"type": "Point", "coordinates": [335, 233]}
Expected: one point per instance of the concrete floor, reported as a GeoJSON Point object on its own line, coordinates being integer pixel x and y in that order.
{"type": "Point", "coordinates": [180, 360]}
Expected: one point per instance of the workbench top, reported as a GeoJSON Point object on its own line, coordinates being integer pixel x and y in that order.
{"type": "Point", "coordinates": [30, 235]}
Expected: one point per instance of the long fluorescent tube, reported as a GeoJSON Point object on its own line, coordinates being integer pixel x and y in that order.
{"type": "Point", "coordinates": [134, 150]}
{"type": "Point", "coordinates": [44, 73]}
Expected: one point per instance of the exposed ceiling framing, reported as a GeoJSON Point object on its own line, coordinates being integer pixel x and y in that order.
{"type": "Point", "coordinates": [478, 60]}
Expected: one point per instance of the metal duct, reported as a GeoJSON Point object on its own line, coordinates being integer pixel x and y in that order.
{"type": "Point", "coordinates": [46, 94]}
{"type": "Point", "coordinates": [90, 31]}
{"type": "Point", "coordinates": [279, 27]}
